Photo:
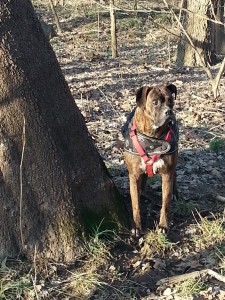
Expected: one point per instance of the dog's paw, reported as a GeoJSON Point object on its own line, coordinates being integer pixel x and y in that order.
{"type": "Point", "coordinates": [157, 165]}
{"type": "Point", "coordinates": [162, 230]}
{"type": "Point", "coordinates": [135, 232]}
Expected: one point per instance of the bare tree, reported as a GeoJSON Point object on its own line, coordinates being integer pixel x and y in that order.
{"type": "Point", "coordinates": [198, 54]}
{"type": "Point", "coordinates": [54, 185]}
{"type": "Point", "coordinates": [113, 30]}
{"type": "Point", "coordinates": [135, 4]}
{"type": "Point", "coordinates": [218, 36]}
{"type": "Point", "coordinates": [55, 16]}
{"type": "Point", "coordinates": [203, 22]}
{"type": "Point", "coordinates": [199, 29]}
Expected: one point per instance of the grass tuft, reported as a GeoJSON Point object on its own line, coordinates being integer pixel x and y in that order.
{"type": "Point", "coordinates": [217, 145]}
{"type": "Point", "coordinates": [182, 207]}
{"type": "Point", "coordinates": [12, 284]}
{"type": "Point", "coordinates": [83, 285]}
{"type": "Point", "coordinates": [96, 246]}
{"type": "Point", "coordinates": [191, 287]}
{"type": "Point", "coordinates": [156, 243]}
{"type": "Point", "coordinates": [209, 232]}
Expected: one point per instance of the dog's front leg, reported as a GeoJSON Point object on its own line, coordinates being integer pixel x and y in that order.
{"type": "Point", "coordinates": [135, 183]}
{"type": "Point", "coordinates": [167, 190]}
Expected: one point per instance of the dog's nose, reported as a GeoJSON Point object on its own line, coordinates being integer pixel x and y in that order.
{"type": "Point", "coordinates": [168, 112]}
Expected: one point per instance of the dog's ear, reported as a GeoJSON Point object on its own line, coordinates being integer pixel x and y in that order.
{"type": "Point", "coordinates": [173, 89]}
{"type": "Point", "coordinates": [141, 96]}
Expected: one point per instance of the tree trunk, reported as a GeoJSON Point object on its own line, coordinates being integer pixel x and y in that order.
{"type": "Point", "coordinates": [55, 16]}
{"type": "Point", "coordinates": [218, 36]}
{"type": "Point", "coordinates": [53, 183]}
{"type": "Point", "coordinates": [199, 30]}
{"type": "Point", "coordinates": [113, 30]}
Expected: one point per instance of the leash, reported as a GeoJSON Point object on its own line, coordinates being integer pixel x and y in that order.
{"type": "Point", "coordinates": [149, 160]}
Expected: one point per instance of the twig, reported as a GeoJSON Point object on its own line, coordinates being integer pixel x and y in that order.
{"type": "Point", "coordinates": [217, 126]}
{"type": "Point", "coordinates": [198, 97]}
{"type": "Point", "coordinates": [107, 100]}
{"type": "Point", "coordinates": [21, 180]}
{"type": "Point", "coordinates": [34, 280]}
{"type": "Point", "coordinates": [180, 10]}
{"type": "Point", "coordinates": [219, 198]}
{"type": "Point", "coordinates": [113, 30]}
{"type": "Point", "coordinates": [55, 16]}
{"type": "Point", "coordinates": [178, 278]}
{"type": "Point", "coordinates": [202, 16]}
{"type": "Point", "coordinates": [150, 10]}
{"type": "Point", "coordinates": [98, 23]}
{"type": "Point", "coordinates": [215, 81]}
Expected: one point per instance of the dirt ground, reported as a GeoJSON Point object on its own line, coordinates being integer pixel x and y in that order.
{"type": "Point", "coordinates": [104, 89]}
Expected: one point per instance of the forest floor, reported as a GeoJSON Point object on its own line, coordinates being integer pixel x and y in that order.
{"type": "Point", "coordinates": [104, 90]}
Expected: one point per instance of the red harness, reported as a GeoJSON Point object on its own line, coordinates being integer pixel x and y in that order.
{"type": "Point", "coordinates": [149, 160]}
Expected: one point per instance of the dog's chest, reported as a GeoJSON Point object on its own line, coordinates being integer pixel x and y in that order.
{"type": "Point", "coordinates": [156, 165]}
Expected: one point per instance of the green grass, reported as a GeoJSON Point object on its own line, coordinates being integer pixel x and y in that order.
{"type": "Point", "coordinates": [210, 232]}
{"type": "Point", "coordinates": [217, 145]}
{"type": "Point", "coordinates": [98, 275]}
{"type": "Point", "coordinates": [96, 245]}
{"type": "Point", "coordinates": [183, 208]}
{"type": "Point", "coordinates": [191, 287]}
{"type": "Point", "coordinates": [83, 284]}
{"type": "Point", "coordinates": [13, 285]}
{"type": "Point", "coordinates": [155, 242]}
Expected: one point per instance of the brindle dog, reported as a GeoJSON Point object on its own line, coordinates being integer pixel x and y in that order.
{"type": "Point", "coordinates": [153, 117]}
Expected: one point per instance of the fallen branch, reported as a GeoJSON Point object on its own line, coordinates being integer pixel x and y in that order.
{"type": "Point", "coordinates": [178, 278]}
{"type": "Point", "coordinates": [220, 198]}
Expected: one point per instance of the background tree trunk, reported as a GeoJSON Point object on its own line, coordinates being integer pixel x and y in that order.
{"type": "Point", "coordinates": [199, 30]}
{"type": "Point", "coordinates": [59, 29]}
{"type": "Point", "coordinates": [218, 36]}
{"type": "Point", "coordinates": [113, 30]}
{"type": "Point", "coordinates": [65, 185]}
{"type": "Point", "coordinates": [182, 41]}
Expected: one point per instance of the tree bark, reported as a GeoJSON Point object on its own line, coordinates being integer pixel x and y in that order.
{"type": "Point", "coordinates": [61, 187]}
{"type": "Point", "coordinates": [199, 30]}
{"type": "Point", "coordinates": [218, 36]}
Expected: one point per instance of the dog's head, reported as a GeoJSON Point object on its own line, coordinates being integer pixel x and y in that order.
{"type": "Point", "coordinates": [157, 102]}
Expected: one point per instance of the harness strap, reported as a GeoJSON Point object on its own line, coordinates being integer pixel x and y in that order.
{"type": "Point", "coordinates": [149, 160]}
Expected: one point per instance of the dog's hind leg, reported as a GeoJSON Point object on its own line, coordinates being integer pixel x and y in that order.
{"type": "Point", "coordinates": [135, 186]}
{"type": "Point", "coordinates": [144, 178]}
{"type": "Point", "coordinates": [175, 191]}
